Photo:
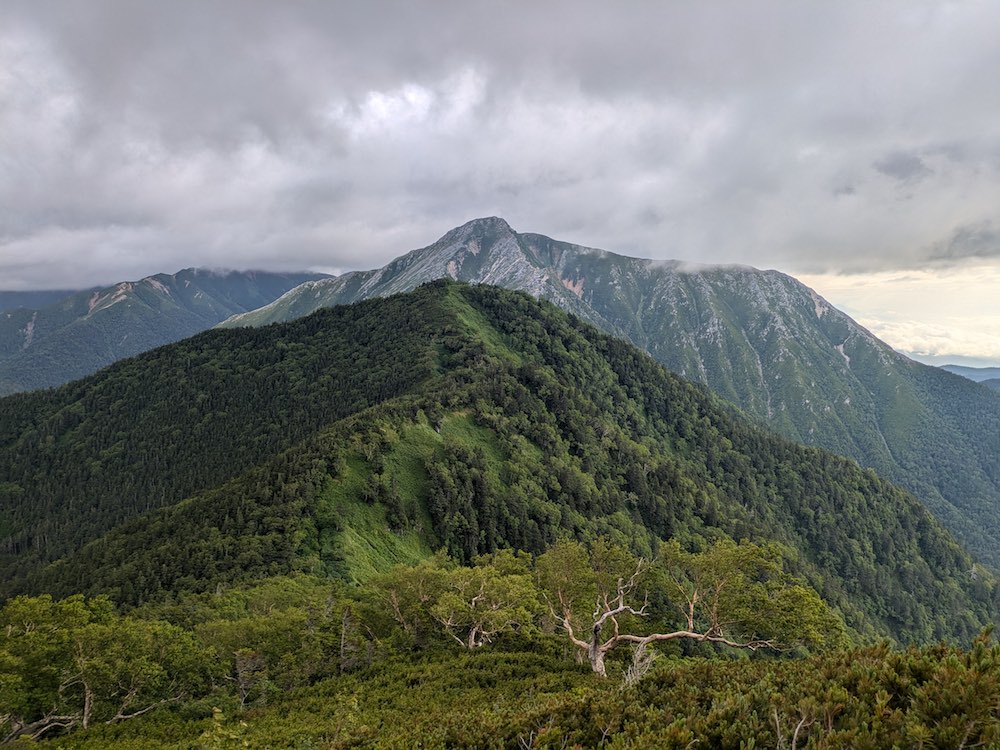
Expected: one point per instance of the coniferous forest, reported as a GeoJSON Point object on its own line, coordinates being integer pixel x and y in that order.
{"type": "Point", "coordinates": [389, 523]}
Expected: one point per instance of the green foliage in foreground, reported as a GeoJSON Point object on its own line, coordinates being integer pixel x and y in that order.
{"type": "Point", "coordinates": [439, 655]}
{"type": "Point", "coordinates": [525, 694]}
{"type": "Point", "coordinates": [874, 698]}
{"type": "Point", "coordinates": [74, 663]}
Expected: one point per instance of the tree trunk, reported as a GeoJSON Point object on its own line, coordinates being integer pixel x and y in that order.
{"type": "Point", "coordinates": [596, 656]}
{"type": "Point", "coordinates": [37, 728]}
{"type": "Point", "coordinates": [88, 704]}
{"type": "Point", "coordinates": [595, 653]}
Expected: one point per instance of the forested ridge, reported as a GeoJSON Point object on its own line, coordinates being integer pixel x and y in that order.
{"type": "Point", "coordinates": [277, 526]}
{"type": "Point", "coordinates": [149, 431]}
{"type": "Point", "coordinates": [462, 418]}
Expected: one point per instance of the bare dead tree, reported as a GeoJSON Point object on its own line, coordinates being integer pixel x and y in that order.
{"type": "Point", "coordinates": [608, 609]}
{"type": "Point", "coordinates": [710, 613]}
{"type": "Point", "coordinates": [36, 729]}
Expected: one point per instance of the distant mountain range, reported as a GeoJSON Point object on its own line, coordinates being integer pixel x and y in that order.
{"type": "Point", "coordinates": [760, 339]}
{"type": "Point", "coordinates": [978, 374]}
{"type": "Point", "coordinates": [50, 338]}
{"type": "Point", "coordinates": [988, 376]}
{"type": "Point", "coordinates": [34, 299]}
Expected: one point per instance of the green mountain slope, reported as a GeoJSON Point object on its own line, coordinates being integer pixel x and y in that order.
{"type": "Point", "coordinates": [84, 331]}
{"type": "Point", "coordinates": [468, 418]}
{"type": "Point", "coordinates": [149, 431]}
{"type": "Point", "coordinates": [759, 339]}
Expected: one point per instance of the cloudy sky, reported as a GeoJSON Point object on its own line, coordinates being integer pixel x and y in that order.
{"type": "Point", "coordinates": [855, 145]}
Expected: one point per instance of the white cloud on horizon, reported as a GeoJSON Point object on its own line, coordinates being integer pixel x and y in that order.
{"type": "Point", "coordinates": [934, 315]}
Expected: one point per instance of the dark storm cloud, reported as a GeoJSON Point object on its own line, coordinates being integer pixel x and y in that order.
{"type": "Point", "coordinates": [905, 167]}
{"type": "Point", "coordinates": [980, 240]}
{"type": "Point", "coordinates": [143, 137]}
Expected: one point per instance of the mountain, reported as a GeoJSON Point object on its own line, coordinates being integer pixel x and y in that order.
{"type": "Point", "coordinates": [468, 418]}
{"type": "Point", "coordinates": [760, 339]}
{"type": "Point", "coordinates": [987, 376]}
{"type": "Point", "coordinates": [978, 374]}
{"type": "Point", "coordinates": [485, 251]}
{"type": "Point", "coordinates": [34, 299]}
{"type": "Point", "coordinates": [85, 331]}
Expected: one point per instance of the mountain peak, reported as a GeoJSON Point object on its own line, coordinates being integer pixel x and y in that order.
{"type": "Point", "coordinates": [492, 227]}
{"type": "Point", "coordinates": [491, 223]}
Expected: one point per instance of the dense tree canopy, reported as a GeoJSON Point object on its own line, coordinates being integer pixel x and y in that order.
{"type": "Point", "coordinates": [247, 521]}
{"type": "Point", "coordinates": [72, 663]}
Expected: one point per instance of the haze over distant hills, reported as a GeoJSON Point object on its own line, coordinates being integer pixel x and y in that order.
{"type": "Point", "coordinates": [34, 299]}
{"type": "Point", "coordinates": [977, 374]}
{"type": "Point", "coordinates": [758, 338]}
{"type": "Point", "coordinates": [72, 336]}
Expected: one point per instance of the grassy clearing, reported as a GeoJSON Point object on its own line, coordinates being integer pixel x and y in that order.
{"type": "Point", "coordinates": [357, 532]}
{"type": "Point", "coordinates": [480, 327]}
